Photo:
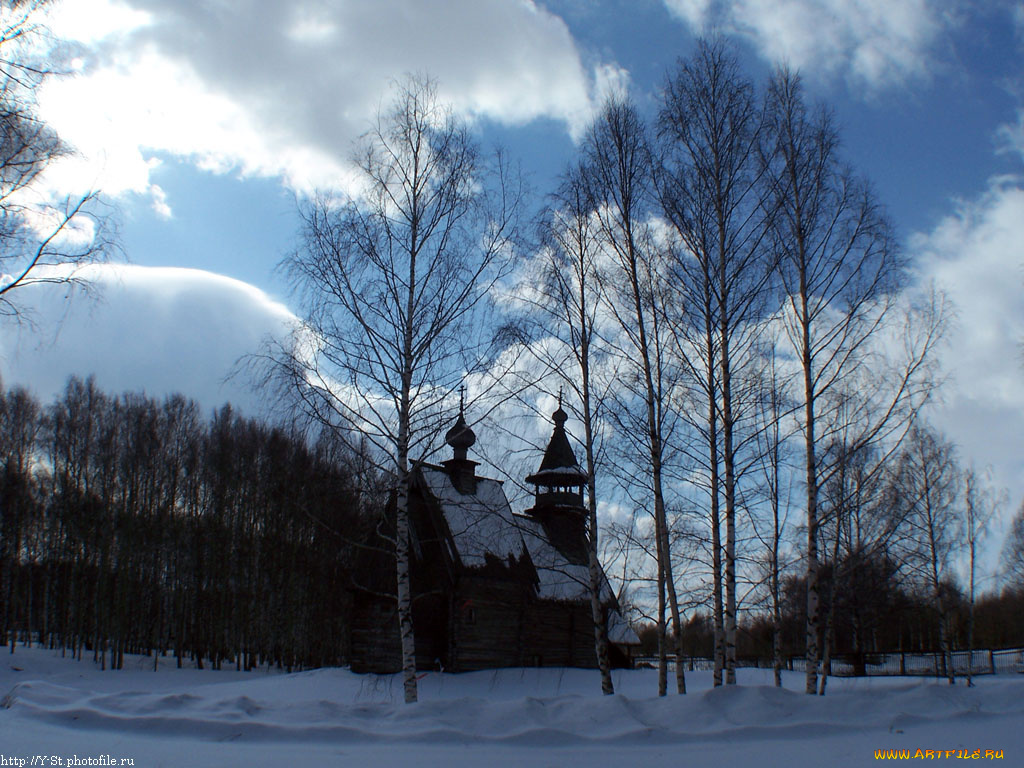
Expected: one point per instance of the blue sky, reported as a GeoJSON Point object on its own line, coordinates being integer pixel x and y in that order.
{"type": "Point", "coordinates": [202, 123]}
{"type": "Point", "coordinates": [925, 138]}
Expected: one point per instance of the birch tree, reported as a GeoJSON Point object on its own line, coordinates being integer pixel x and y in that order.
{"type": "Point", "coordinates": [856, 526]}
{"type": "Point", "coordinates": [981, 504]}
{"type": "Point", "coordinates": [711, 193]}
{"type": "Point", "coordinates": [570, 300]}
{"type": "Point", "coordinates": [773, 454]}
{"type": "Point", "coordinates": [840, 273]}
{"type": "Point", "coordinates": [394, 279]}
{"type": "Point", "coordinates": [1012, 554]}
{"type": "Point", "coordinates": [617, 156]}
{"type": "Point", "coordinates": [928, 486]}
{"type": "Point", "coordinates": [19, 427]}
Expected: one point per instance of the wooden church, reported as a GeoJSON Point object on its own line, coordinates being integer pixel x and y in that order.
{"type": "Point", "coordinates": [491, 588]}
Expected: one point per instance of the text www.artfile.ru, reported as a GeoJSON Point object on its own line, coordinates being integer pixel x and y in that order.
{"type": "Point", "coordinates": [938, 754]}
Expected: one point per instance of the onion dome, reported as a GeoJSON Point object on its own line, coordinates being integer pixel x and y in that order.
{"type": "Point", "coordinates": [460, 436]}
{"type": "Point", "coordinates": [460, 469]}
{"type": "Point", "coordinates": [560, 416]}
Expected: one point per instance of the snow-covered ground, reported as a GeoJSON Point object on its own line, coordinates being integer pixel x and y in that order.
{"type": "Point", "coordinates": [60, 708]}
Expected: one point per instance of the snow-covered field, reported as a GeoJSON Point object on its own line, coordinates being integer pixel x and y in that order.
{"type": "Point", "coordinates": [63, 709]}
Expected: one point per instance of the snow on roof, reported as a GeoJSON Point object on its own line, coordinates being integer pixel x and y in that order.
{"type": "Point", "coordinates": [480, 523]}
{"type": "Point", "coordinates": [556, 473]}
{"type": "Point", "coordinates": [619, 630]}
{"type": "Point", "coordinates": [560, 579]}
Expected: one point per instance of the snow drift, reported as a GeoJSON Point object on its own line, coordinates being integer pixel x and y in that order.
{"type": "Point", "coordinates": [528, 716]}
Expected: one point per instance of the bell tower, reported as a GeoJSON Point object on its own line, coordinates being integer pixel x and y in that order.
{"type": "Point", "coordinates": [558, 493]}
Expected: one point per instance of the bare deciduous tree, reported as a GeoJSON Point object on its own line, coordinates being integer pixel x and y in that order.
{"type": "Point", "coordinates": [1012, 555]}
{"type": "Point", "coordinates": [711, 193]}
{"type": "Point", "coordinates": [570, 297]}
{"type": "Point", "coordinates": [774, 461]}
{"type": "Point", "coordinates": [393, 281]}
{"type": "Point", "coordinates": [981, 504]}
{"type": "Point", "coordinates": [42, 240]}
{"type": "Point", "coordinates": [927, 487]}
{"type": "Point", "coordinates": [840, 272]}
{"type": "Point", "coordinates": [618, 165]}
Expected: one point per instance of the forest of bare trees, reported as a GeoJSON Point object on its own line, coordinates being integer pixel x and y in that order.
{"type": "Point", "coordinates": [132, 525]}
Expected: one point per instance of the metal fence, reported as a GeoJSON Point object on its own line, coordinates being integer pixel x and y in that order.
{"type": "Point", "coordinates": [982, 662]}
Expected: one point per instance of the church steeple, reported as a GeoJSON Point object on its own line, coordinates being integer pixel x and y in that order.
{"type": "Point", "coordinates": [558, 486]}
{"type": "Point", "coordinates": [558, 468]}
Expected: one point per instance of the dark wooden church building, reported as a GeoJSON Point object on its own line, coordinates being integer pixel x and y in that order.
{"type": "Point", "coordinates": [492, 588]}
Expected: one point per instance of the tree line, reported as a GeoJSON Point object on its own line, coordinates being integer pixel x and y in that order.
{"type": "Point", "coordinates": [874, 610]}
{"type": "Point", "coordinates": [130, 525]}
{"type": "Point", "coordinates": [135, 525]}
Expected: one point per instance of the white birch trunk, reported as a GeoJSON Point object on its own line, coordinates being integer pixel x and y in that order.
{"type": "Point", "coordinates": [596, 610]}
{"type": "Point", "coordinates": [405, 627]}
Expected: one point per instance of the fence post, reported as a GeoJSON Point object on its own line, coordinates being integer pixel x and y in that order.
{"type": "Point", "coordinates": [991, 661]}
{"type": "Point", "coordinates": [903, 664]}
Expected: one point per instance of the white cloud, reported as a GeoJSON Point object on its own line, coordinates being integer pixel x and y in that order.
{"type": "Point", "coordinates": [158, 329]}
{"type": "Point", "coordinates": [94, 20]}
{"type": "Point", "coordinates": [1010, 136]}
{"type": "Point", "coordinates": [975, 256]}
{"type": "Point", "coordinates": [312, 25]}
{"type": "Point", "coordinates": [159, 201]}
{"type": "Point", "coordinates": [696, 13]}
{"type": "Point", "coordinates": [871, 43]}
{"type": "Point", "coordinates": [609, 80]}
{"type": "Point", "coordinates": [282, 89]}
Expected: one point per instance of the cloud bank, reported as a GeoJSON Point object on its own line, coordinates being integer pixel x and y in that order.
{"type": "Point", "coordinates": [975, 256]}
{"type": "Point", "coordinates": [282, 89]}
{"type": "Point", "coordinates": [157, 329]}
